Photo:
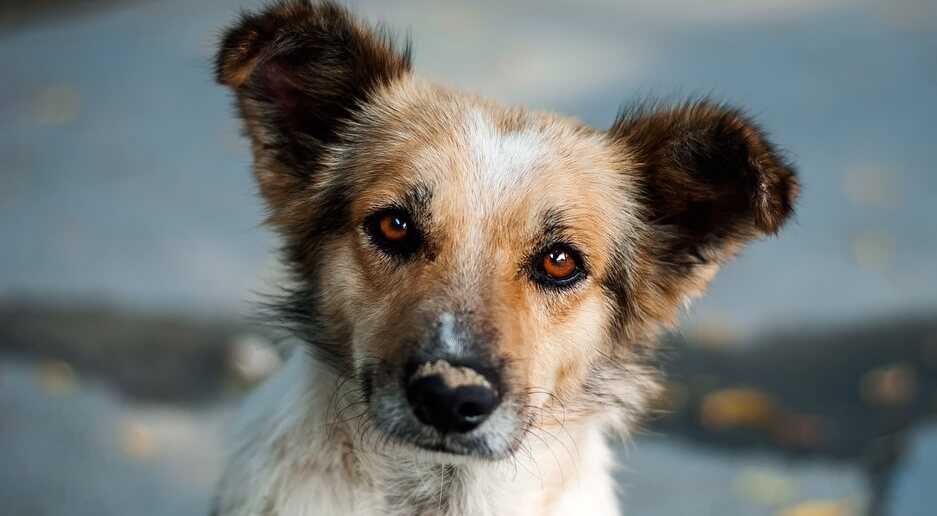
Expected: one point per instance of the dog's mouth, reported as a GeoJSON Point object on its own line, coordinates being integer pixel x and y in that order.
{"type": "Point", "coordinates": [448, 447]}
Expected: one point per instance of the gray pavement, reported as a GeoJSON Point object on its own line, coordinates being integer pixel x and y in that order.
{"type": "Point", "coordinates": [664, 476]}
{"type": "Point", "coordinates": [912, 493]}
{"type": "Point", "coordinates": [71, 446]}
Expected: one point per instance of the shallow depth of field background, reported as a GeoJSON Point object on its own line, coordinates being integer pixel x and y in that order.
{"type": "Point", "coordinates": [131, 254]}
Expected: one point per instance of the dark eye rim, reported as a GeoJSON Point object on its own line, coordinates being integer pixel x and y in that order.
{"type": "Point", "coordinates": [400, 248]}
{"type": "Point", "coordinates": [544, 279]}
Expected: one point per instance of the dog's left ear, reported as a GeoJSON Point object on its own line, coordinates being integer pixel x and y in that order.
{"type": "Point", "coordinates": [710, 181]}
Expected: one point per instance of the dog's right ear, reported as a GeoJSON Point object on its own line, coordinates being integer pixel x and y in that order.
{"type": "Point", "coordinates": [300, 70]}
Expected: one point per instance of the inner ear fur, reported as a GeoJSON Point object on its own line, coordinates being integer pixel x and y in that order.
{"type": "Point", "coordinates": [710, 178]}
{"type": "Point", "coordinates": [300, 71]}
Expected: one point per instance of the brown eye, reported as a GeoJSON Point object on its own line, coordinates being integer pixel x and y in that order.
{"type": "Point", "coordinates": [560, 266]}
{"type": "Point", "coordinates": [393, 231]}
{"type": "Point", "coordinates": [394, 227]}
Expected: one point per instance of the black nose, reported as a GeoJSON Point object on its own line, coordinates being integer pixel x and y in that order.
{"type": "Point", "coordinates": [448, 409]}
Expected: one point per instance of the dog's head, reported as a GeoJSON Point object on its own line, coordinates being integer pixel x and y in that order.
{"type": "Point", "coordinates": [478, 269]}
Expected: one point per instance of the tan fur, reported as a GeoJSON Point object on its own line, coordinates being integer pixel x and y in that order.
{"type": "Point", "coordinates": [453, 376]}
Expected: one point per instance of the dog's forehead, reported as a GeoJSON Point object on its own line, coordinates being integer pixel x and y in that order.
{"type": "Point", "coordinates": [484, 165]}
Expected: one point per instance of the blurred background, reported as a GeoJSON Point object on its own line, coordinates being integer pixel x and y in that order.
{"type": "Point", "coordinates": [131, 255]}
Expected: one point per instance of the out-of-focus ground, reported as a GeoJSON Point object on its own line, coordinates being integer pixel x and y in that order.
{"type": "Point", "coordinates": [131, 255]}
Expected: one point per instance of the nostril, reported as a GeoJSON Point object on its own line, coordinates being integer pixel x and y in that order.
{"type": "Point", "coordinates": [470, 410]}
{"type": "Point", "coordinates": [471, 406]}
{"type": "Point", "coordinates": [429, 397]}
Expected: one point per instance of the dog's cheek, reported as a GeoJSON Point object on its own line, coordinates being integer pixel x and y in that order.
{"type": "Point", "coordinates": [347, 300]}
{"type": "Point", "coordinates": [564, 347]}
{"type": "Point", "coordinates": [584, 336]}
{"type": "Point", "coordinates": [372, 297]}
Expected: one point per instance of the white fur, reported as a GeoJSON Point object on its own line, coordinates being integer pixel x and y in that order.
{"type": "Point", "coordinates": [296, 454]}
{"type": "Point", "coordinates": [447, 334]}
{"type": "Point", "coordinates": [503, 159]}
{"type": "Point", "coordinates": [500, 166]}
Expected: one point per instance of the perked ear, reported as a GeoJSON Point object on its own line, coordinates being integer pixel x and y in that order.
{"type": "Point", "coordinates": [709, 175]}
{"type": "Point", "coordinates": [300, 71]}
{"type": "Point", "coordinates": [710, 181]}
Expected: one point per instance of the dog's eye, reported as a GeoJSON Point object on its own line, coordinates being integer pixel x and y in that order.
{"type": "Point", "coordinates": [394, 227]}
{"type": "Point", "coordinates": [558, 266]}
{"type": "Point", "coordinates": [393, 231]}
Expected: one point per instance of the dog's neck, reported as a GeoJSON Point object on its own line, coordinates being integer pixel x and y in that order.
{"type": "Point", "coordinates": [318, 452]}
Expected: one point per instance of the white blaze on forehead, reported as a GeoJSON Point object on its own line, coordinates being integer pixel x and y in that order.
{"type": "Point", "coordinates": [500, 170]}
{"type": "Point", "coordinates": [502, 160]}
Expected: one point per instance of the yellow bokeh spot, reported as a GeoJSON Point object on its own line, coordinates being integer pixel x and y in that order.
{"type": "Point", "coordinates": [740, 406]}
{"type": "Point", "coordinates": [137, 441]}
{"type": "Point", "coordinates": [820, 508]}
{"type": "Point", "coordinates": [56, 105]}
{"type": "Point", "coordinates": [764, 487]}
{"type": "Point", "coordinates": [56, 377]}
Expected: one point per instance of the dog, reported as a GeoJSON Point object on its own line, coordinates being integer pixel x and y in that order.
{"type": "Point", "coordinates": [477, 288]}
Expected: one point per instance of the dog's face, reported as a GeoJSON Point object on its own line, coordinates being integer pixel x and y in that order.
{"type": "Point", "coordinates": [478, 236]}
{"type": "Point", "coordinates": [480, 271]}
